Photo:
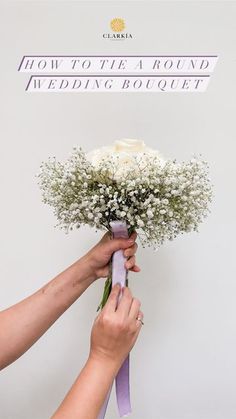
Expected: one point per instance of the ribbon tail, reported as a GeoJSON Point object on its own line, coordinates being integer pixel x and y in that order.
{"type": "Point", "coordinates": [119, 274]}
{"type": "Point", "coordinates": [123, 389]}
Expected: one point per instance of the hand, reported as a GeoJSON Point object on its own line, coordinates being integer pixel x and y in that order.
{"type": "Point", "coordinates": [114, 333]}
{"type": "Point", "coordinates": [100, 255]}
{"type": "Point", "coordinates": [116, 328]}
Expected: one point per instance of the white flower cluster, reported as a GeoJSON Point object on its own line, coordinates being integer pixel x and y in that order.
{"type": "Point", "coordinates": [124, 153]}
{"type": "Point", "coordinates": [160, 201]}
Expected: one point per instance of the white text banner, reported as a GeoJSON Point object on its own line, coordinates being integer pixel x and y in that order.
{"type": "Point", "coordinates": [82, 84]}
{"type": "Point", "coordinates": [119, 64]}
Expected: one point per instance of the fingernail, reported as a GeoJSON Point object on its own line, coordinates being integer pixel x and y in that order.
{"type": "Point", "coordinates": [131, 241]}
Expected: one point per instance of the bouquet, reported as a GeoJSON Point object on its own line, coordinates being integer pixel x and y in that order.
{"type": "Point", "coordinates": [124, 187]}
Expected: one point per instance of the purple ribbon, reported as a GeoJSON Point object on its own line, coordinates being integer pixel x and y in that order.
{"type": "Point", "coordinates": [119, 274]}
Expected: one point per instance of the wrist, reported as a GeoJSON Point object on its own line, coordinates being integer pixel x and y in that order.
{"type": "Point", "coordinates": [108, 364]}
{"type": "Point", "coordinates": [85, 271]}
{"type": "Point", "coordinates": [90, 264]}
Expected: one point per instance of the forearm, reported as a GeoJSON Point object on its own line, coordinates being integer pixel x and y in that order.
{"type": "Point", "coordinates": [89, 391]}
{"type": "Point", "coordinates": [22, 324]}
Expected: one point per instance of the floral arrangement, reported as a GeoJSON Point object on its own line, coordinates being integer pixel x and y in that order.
{"type": "Point", "coordinates": [124, 187]}
{"type": "Point", "coordinates": [128, 181]}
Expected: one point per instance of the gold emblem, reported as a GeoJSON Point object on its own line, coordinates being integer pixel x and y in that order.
{"type": "Point", "coordinates": [117, 24]}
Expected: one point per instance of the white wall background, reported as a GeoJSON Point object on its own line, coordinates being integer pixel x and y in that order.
{"type": "Point", "coordinates": [184, 364]}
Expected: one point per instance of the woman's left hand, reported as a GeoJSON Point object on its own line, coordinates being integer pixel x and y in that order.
{"type": "Point", "coordinates": [100, 255]}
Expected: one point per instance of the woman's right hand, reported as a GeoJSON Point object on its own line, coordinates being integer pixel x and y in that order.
{"type": "Point", "coordinates": [116, 328]}
{"type": "Point", "coordinates": [114, 333]}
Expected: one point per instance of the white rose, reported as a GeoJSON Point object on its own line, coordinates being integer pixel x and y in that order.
{"type": "Point", "coordinates": [129, 145]}
{"type": "Point", "coordinates": [124, 152]}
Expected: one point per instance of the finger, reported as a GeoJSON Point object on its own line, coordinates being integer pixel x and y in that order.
{"type": "Point", "coordinates": [130, 262]}
{"type": "Point", "coordinates": [134, 309]}
{"type": "Point", "coordinates": [131, 250]}
{"type": "Point", "coordinates": [107, 237]}
{"type": "Point", "coordinates": [125, 302]}
{"type": "Point", "coordinates": [116, 244]}
{"type": "Point", "coordinates": [133, 235]}
{"type": "Point", "coordinates": [112, 301]}
{"type": "Point", "coordinates": [139, 322]}
{"type": "Point", "coordinates": [136, 268]}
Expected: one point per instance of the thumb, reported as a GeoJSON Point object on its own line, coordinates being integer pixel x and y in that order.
{"type": "Point", "coordinates": [119, 243]}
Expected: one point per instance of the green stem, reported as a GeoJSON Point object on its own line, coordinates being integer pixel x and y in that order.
{"type": "Point", "coordinates": [106, 293]}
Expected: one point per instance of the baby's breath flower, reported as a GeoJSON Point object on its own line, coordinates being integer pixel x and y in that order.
{"type": "Point", "coordinates": [160, 201]}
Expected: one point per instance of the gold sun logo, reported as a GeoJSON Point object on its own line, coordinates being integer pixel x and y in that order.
{"type": "Point", "coordinates": [117, 24]}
